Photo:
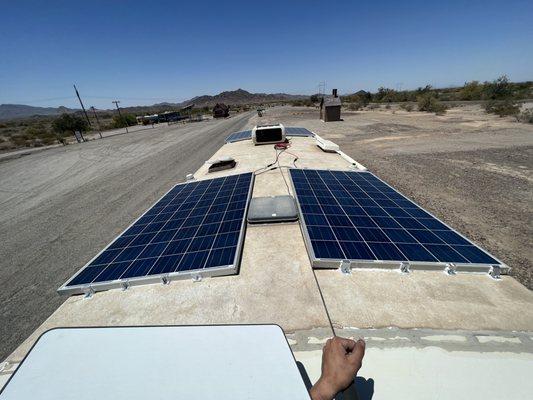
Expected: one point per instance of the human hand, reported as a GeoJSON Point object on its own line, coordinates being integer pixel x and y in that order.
{"type": "Point", "coordinates": [341, 360]}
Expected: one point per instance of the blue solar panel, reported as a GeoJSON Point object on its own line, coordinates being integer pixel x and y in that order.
{"type": "Point", "coordinates": [196, 227]}
{"type": "Point", "coordinates": [289, 131]}
{"type": "Point", "coordinates": [356, 216]}
{"type": "Point", "coordinates": [238, 136]}
{"type": "Point", "coordinates": [297, 131]}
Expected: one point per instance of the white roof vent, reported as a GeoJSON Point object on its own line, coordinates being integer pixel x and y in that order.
{"type": "Point", "coordinates": [268, 134]}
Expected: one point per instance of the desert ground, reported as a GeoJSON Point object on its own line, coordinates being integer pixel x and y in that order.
{"type": "Point", "coordinates": [60, 206]}
{"type": "Point", "coordinates": [471, 169]}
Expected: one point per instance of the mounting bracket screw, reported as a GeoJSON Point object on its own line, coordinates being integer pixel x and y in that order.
{"type": "Point", "coordinates": [404, 267]}
{"type": "Point", "coordinates": [89, 291]}
{"type": "Point", "coordinates": [495, 271]}
{"type": "Point", "coordinates": [451, 269]}
{"type": "Point", "coordinates": [346, 267]}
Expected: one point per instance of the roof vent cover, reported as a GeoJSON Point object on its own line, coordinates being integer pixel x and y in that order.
{"type": "Point", "coordinates": [268, 210]}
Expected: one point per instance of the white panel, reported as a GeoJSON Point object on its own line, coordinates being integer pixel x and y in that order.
{"type": "Point", "coordinates": [209, 362]}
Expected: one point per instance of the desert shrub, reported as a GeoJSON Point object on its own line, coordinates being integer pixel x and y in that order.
{"type": "Point", "coordinates": [69, 123]}
{"type": "Point", "coordinates": [429, 103]}
{"type": "Point", "coordinates": [407, 107]}
{"type": "Point", "coordinates": [502, 107]}
{"type": "Point", "coordinates": [498, 89]}
{"type": "Point", "coordinates": [126, 120]}
{"type": "Point", "coordinates": [20, 141]}
{"type": "Point", "coordinates": [2, 126]}
{"type": "Point", "coordinates": [355, 106]}
{"type": "Point", "coordinates": [48, 140]}
{"type": "Point", "coordinates": [36, 131]}
{"type": "Point", "coordinates": [526, 116]}
{"type": "Point", "coordinates": [471, 91]}
{"type": "Point", "coordinates": [387, 106]}
{"type": "Point", "coordinates": [373, 106]}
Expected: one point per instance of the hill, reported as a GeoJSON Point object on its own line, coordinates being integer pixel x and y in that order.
{"type": "Point", "coordinates": [240, 96]}
{"type": "Point", "coordinates": [10, 111]}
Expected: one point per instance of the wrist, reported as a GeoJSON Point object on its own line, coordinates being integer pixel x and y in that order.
{"type": "Point", "coordinates": [321, 390]}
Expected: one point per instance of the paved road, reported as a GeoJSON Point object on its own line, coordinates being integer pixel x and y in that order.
{"type": "Point", "coordinates": [59, 207]}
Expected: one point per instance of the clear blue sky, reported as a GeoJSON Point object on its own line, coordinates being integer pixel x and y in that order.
{"type": "Point", "coordinates": [143, 52]}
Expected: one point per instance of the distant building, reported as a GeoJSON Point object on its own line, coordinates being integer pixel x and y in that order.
{"type": "Point", "coordinates": [220, 110]}
{"type": "Point", "coordinates": [330, 107]}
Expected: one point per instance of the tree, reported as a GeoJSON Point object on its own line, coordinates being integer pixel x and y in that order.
{"type": "Point", "coordinates": [314, 98]}
{"type": "Point", "coordinates": [69, 123]}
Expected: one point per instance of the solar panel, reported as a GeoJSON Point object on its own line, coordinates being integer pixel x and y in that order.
{"type": "Point", "coordinates": [293, 131]}
{"type": "Point", "coordinates": [238, 136]}
{"type": "Point", "coordinates": [196, 228]}
{"type": "Point", "coordinates": [355, 216]}
{"type": "Point", "coordinates": [297, 131]}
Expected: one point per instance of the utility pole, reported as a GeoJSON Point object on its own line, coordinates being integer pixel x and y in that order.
{"type": "Point", "coordinates": [120, 114]}
{"type": "Point", "coordinates": [82, 107]}
{"type": "Point", "coordinates": [97, 121]}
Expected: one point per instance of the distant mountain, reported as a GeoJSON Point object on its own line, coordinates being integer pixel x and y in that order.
{"type": "Point", "coordinates": [234, 97]}
{"type": "Point", "coordinates": [240, 96]}
{"type": "Point", "coordinates": [9, 111]}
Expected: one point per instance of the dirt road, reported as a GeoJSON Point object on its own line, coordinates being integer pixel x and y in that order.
{"type": "Point", "coordinates": [59, 207]}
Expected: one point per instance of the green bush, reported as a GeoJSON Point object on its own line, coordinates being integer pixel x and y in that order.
{"type": "Point", "coordinates": [407, 107]}
{"type": "Point", "coordinates": [20, 140]}
{"type": "Point", "coordinates": [355, 106]}
{"type": "Point", "coordinates": [69, 123]}
{"type": "Point", "coordinates": [429, 103]}
{"type": "Point", "coordinates": [502, 107]}
{"type": "Point", "coordinates": [471, 91]}
{"type": "Point", "coordinates": [126, 120]}
{"type": "Point", "coordinates": [498, 89]}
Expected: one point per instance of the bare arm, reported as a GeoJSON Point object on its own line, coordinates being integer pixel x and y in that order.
{"type": "Point", "coordinates": [341, 360]}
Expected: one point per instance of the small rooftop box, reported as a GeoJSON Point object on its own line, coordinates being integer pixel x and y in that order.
{"type": "Point", "coordinates": [268, 134]}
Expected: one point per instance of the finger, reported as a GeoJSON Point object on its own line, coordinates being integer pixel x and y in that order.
{"type": "Point", "coordinates": [347, 344]}
{"type": "Point", "coordinates": [356, 356]}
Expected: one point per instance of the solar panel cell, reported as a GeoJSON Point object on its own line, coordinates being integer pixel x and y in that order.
{"type": "Point", "coordinates": [356, 216]}
{"type": "Point", "coordinates": [196, 226]}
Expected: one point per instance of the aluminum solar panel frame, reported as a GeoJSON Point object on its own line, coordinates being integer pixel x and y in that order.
{"type": "Point", "coordinates": [342, 234]}
{"type": "Point", "coordinates": [210, 236]}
